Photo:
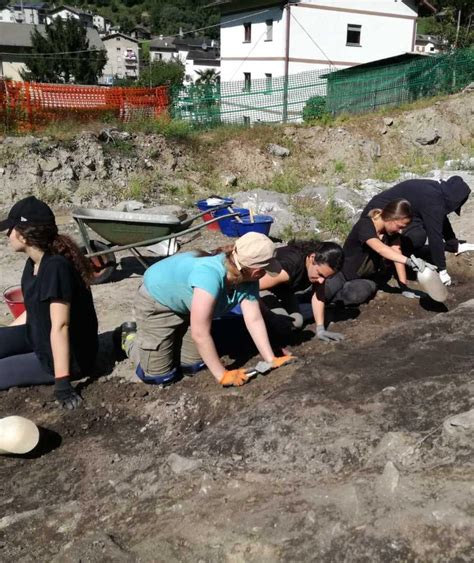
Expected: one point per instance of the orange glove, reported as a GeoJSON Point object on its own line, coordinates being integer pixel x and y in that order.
{"type": "Point", "coordinates": [234, 377]}
{"type": "Point", "coordinates": [282, 360]}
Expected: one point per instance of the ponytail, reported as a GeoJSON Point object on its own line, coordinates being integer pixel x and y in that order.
{"type": "Point", "coordinates": [396, 210]}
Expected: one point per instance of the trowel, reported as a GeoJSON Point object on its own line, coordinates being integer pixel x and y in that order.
{"type": "Point", "coordinates": [263, 368]}
{"type": "Point", "coordinates": [18, 435]}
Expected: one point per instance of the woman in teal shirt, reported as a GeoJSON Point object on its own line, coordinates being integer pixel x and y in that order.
{"type": "Point", "coordinates": [180, 297]}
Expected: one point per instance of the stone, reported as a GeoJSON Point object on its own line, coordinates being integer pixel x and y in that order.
{"type": "Point", "coordinates": [388, 121]}
{"type": "Point", "coordinates": [431, 137]}
{"type": "Point", "coordinates": [278, 150]}
{"type": "Point", "coordinates": [459, 428]}
{"type": "Point", "coordinates": [180, 464]}
{"type": "Point", "coordinates": [229, 180]}
{"type": "Point", "coordinates": [131, 205]}
{"type": "Point", "coordinates": [387, 483]}
{"type": "Point", "coordinates": [50, 164]}
{"type": "Point", "coordinates": [397, 447]}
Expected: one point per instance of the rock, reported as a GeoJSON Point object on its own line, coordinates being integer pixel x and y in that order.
{"type": "Point", "coordinates": [147, 164]}
{"type": "Point", "coordinates": [50, 164]}
{"type": "Point", "coordinates": [388, 121]}
{"type": "Point", "coordinates": [469, 88]}
{"type": "Point", "coordinates": [396, 447]}
{"type": "Point", "coordinates": [429, 138]}
{"type": "Point", "coordinates": [459, 428]}
{"type": "Point", "coordinates": [229, 180]}
{"type": "Point", "coordinates": [93, 547]}
{"type": "Point", "coordinates": [387, 483]}
{"type": "Point", "coordinates": [180, 464]}
{"type": "Point", "coordinates": [131, 205]}
{"type": "Point", "coordinates": [278, 150]}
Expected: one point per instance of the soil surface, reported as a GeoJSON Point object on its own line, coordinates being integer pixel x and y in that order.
{"type": "Point", "coordinates": [340, 457]}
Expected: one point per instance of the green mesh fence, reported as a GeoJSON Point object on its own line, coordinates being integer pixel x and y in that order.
{"type": "Point", "coordinates": [314, 93]}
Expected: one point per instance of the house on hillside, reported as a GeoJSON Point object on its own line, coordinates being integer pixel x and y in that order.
{"type": "Point", "coordinates": [163, 49]}
{"type": "Point", "coordinates": [102, 24]}
{"type": "Point", "coordinates": [122, 58]}
{"type": "Point", "coordinates": [15, 45]}
{"type": "Point", "coordinates": [429, 44]}
{"type": "Point", "coordinates": [69, 12]}
{"type": "Point", "coordinates": [269, 38]}
{"type": "Point", "coordinates": [141, 33]}
{"type": "Point", "coordinates": [30, 12]}
{"type": "Point", "coordinates": [7, 15]}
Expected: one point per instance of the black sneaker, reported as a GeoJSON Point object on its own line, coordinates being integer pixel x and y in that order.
{"type": "Point", "coordinates": [119, 336]}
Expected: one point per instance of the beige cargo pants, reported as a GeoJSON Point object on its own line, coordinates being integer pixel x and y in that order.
{"type": "Point", "coordinates": [163, 339]}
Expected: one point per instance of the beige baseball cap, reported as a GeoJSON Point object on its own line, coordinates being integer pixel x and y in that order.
{"type": "Point", "coordinates": [255, 250]}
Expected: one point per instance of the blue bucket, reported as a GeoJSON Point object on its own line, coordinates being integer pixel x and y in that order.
{"type": "Point", "coordinates": [202, 205]}
{"type": "Point", "coordinates": [226, 225]}
{"type": "Point", "coordinates": [260, 224]}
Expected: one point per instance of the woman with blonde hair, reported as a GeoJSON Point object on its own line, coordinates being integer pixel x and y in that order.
{"type": "Point", "coordinates": [182, 294]}
{"type": "Point", "coordinates": [375, 238]}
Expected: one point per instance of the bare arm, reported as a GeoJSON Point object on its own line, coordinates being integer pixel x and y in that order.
{"type": "Point", "coordinates": [60, 314]}
{"type": "Point", "coordinates": [400, 268]}
{"type": "Point", "coordinates": [317, 304]}
{"type": "Point", "coordinates": [21, 320]}
{"type": "Point", "coordinates": [202, 311]}
{"type": "Point", "coordinates": [385, 251]}
{"type": "Point", "coordinates": [268, 282]}
{"type": "Point", "coordinates": [257, 329]}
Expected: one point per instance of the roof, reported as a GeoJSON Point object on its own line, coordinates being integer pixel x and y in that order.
{"type": "Point", "coordinates": [19, 35]}
{"type": "Point", "coordinates": [192, 41]}
{"type": "Point", "coordinates": [431, 38]}
{"type": "Point", "coordinates": [165, 43]}
{"type": "Point", "coordinates": [209, 56]}
{"type": "Point", "coordinates": [29, 5]}
{"type": "Point", "coordinates": [72, 9]}
{"type": "Point", "coordinates": [403, 57]}
{"type": "Point", "coordinates": [115, 33]}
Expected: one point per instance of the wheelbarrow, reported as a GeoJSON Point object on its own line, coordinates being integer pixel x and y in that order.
{"type": "Point", "coordinates": [130, 231]}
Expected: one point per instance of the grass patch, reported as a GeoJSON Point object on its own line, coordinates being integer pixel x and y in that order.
{"type": "Point", "coordinates": [119, 147]}
{"type": "Point", "coordinates": [333, 221]}
{"type": "Point", "coordinates": [339, 166]}
{"type": "Point", "coordinates": [170, 128]}
{"type": "Point", "coordinates": [288, 182]}
{"type": "Point", "coordinates": [386, 171]}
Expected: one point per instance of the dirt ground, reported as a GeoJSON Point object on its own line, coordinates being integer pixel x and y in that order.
{"type": "Point", "coordinates": [340, 457]}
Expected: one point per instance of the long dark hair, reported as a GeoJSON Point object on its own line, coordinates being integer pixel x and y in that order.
{"type": "Point", "coordinates": [48, 239]}
{"type": "Point", "coordinates": [396, 210]}
{"type": "Point", "coordinates": [325, 253]}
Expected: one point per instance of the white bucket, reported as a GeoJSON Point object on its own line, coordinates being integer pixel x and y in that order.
{"type": "Point", "coordinates": [18, 435]}
{"type": "Point", "coordinates": [432, 284]}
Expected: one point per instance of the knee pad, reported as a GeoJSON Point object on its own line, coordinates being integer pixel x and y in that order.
{"type": "Point", "coordinates": [192, 369]}
{"type": "Point", "coordinates": [297, 320]}
{"type": "Point", "coordinates": [356, 292]}
{"type": "Point", "coordinates": [156, 379]}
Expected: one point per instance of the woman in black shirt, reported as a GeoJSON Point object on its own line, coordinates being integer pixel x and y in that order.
{"type": "Point", "coordinates": [304, 264]}
{"type": "Point", "coordinates": [58, 331]}
{"type": "Point", "coordinates": [373, 239]}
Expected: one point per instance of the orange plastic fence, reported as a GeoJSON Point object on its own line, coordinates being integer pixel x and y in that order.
{"type": "Point", "coordinates": [28, 105]}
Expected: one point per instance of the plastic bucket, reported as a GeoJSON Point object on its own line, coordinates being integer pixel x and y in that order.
{"type": "Point", "coordinates": [227, 226]}
{"type": "Point", "coordinates": [202, 205]}
{"type": "Point", "coordinates": [260, 224]}
{"type": "Point", "coordinates": [14, 299]}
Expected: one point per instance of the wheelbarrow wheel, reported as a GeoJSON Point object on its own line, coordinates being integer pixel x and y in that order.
{"type": "Point", "coordinates": [103, 266]}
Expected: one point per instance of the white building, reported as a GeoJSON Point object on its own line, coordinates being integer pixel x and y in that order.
{"type": "Point", "coordinates": [163, 49]}
{"type": "Point", "coordinates": [7, 15]}
{"type": "Point", "coordinates": [69, 12]}
{"type": "Point", "coordinates": [122, 58]}
{"type": "Point", "coordinates": [30, 13]}
{"type": "Point", "coordinates": [102, 24]}
{"type": "Point", "coordinates": [429, 44]}
{"type": "Point", "coordinates": [311, 34]}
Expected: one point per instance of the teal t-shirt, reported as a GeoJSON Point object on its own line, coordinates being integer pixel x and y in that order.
{"type": "Point", "coordinates": [172, 280]}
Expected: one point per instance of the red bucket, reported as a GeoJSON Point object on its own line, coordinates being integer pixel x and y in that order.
{"type": "Point", "coordinates": [14, 300]}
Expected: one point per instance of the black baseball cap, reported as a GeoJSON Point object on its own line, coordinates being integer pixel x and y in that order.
{"type": "Point", "coordinates": [28, 211]}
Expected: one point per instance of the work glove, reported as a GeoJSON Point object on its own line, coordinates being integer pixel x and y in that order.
{"type": "Point", "coordinates": [65, 394]}
{"type": "Point", "coordinates": [327, 336]}
{"type": "Point", "coordinates": [235, 377]}
{"type": "Point", "coordinates": [283, 360]}
{"type": "Point", "coordinates": [445, 278]}
{"type": "Point", "coordinates": [407, 292]}
{"type": "Point", "coordinates": [418, 265]}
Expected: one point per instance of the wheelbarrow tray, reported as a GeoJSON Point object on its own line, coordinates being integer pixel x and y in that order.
{"type": "Point", "coordinates": [122, 228]}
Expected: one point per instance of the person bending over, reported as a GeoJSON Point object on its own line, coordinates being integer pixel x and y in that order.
{"type": "Point", "coordinates": [57, 333]}
{"type": "Point", "coordinates": [305, 264]}
{"type": "Point", "coordinates": [374, 239]}
{"type": "Point", "coordinates": [182, 294]}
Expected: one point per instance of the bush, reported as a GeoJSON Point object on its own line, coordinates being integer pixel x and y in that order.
{"type": "Point", "coordinates": [315, 108]}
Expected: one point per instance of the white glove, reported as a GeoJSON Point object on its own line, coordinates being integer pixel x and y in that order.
{"type": "Point", "coordinates": [445, 278]}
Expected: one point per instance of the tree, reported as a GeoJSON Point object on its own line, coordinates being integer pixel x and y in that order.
{"type": "Point", "coordinates": [63, 54]}
{"type": "Point", "coordinates": [163, 73]}
{"type": "Point", "coordinates": [444, 23]}
{"type": "Point", "coordinates": [209, 76]}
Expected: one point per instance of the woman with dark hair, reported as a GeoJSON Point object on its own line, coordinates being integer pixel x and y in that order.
{"type": "Point", "coordinates": [57, 333]}
{"type": "Point", "coordinates": [304, 263]}
{"type": "Point", "coordinates": [373, 239]}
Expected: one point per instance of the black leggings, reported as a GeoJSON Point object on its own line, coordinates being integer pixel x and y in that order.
{"type": "Point", "coordinates": [19, 365]}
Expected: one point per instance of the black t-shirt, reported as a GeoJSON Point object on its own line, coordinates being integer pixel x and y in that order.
{"type": "Point", "coordinates": [293, 261]}
{"type": "Point", "coordinates": [57, 279]}
{"type": "Point", "coordinates": [356, 251]}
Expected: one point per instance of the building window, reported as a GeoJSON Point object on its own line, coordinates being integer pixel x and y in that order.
{"type": "Point", "coordinates": [269, 33]}
{"type": "Point", "coordinates": [247, 81]}
{"type": "Point", "coordinates": [353, 34]}
{"type": "Point", "coordinates": [247, 32]}
{"type": "Point", "coordinates": [118, 49]}
{"type": "Point", "coordinates": [268, 83]}
{"type": "Point", "coordinates": [246, 120]}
